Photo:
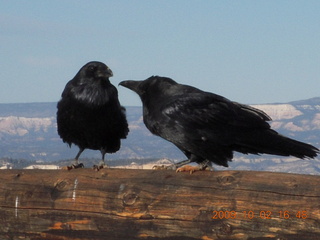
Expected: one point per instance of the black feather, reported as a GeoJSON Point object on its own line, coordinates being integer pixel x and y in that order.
{"type": "Point", "coordinates": [206, 126]}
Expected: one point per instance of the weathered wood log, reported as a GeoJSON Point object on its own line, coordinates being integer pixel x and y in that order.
{"type": "Point", "coordinates": [155, 204]}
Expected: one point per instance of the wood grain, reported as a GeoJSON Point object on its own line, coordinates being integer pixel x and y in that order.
{"type": "Point", "coordinates": [158, 204]}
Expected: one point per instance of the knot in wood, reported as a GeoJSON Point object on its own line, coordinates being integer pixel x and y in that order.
{"type": "Point", "coordinates": [225, 229]}
{"type": "Point", "coordinates": [61, 184]}
{"type": "Point", "coordinates": [66, 226]}
{"type": "Point", "coordinates": [129, 198]}
{"type": "Point", "coordinates": [226, 180]}
{"type": "Point", "coordinates": [18, 175]}
{"type": "Point", "coordinates": [146, 217]}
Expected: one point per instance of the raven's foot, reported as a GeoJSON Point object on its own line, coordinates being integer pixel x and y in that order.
{"type": "Point", "coordinates": [191, 169]}
{"type": "Point", "coordinates": [164, 167]}
{"type": "Point", "coordinates": [100, 166]}
{"type": "Point", "coordinates": [74, 166]}
{"type": "Point", "coordinates": [97, 167]}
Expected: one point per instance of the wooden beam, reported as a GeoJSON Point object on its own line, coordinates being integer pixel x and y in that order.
{"type": "Point", "coordinates": [158, 204]}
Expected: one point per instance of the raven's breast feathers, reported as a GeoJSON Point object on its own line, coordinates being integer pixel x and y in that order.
{"type": "Point", "coordinates": [93, 94]}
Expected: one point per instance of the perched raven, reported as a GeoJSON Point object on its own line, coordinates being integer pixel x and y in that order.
{"type": "Point", "coordinates": [89, 113]}
{"type": "Point", "coordinates": [207, 127]}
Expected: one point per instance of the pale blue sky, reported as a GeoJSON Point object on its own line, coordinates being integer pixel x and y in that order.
{"type": "Point", "coordinates": [248, 51]}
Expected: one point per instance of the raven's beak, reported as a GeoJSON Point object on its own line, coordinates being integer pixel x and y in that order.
{"type": "Point", "coordinates": [109, 71]}
{"type": "Point", "coordinates": [131, 84]}
{"type": "Point", "coordinates": [106, 72]}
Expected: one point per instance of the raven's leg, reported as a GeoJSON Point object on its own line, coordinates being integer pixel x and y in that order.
{"type": "Point", "coordinates": [184, 162]}
{"type": "Point", "coordinates": [76, 163]}
{"type": "Point", "coordinates": [191, 158]}
{"type": "Point", "coordinates": [101, 163]}
{"type": "Point", "coordinates": [203, 165]}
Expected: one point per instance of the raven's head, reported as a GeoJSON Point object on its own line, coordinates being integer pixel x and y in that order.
{"type": "Point", "coordinates": [91, 84]}
{"type": "Point", "coordinates": [94, 70]}
{"type": "Point", "coordinates": [153, 86]}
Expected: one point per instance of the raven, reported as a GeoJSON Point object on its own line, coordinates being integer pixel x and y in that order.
{"type": "Point", "coordinates": [207, 127]}
{"type": "Point", "coordinates": [89, 113]}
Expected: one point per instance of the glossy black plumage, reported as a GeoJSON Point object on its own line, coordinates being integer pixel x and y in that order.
{"type": "Point", "coordinates": [89, 113]}
{"type": "Point", "coordinates": [207, 127]}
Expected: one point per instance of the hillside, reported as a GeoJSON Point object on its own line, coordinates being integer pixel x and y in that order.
{"type": "Point", "coordinates": [28, 131]}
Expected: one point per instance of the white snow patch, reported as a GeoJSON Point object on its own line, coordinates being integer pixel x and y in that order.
{"type": "Point", "coordinates": [279, 111]}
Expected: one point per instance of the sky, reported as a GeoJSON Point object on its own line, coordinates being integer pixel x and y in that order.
{"type": "Point", "coordinates": [252, 52]}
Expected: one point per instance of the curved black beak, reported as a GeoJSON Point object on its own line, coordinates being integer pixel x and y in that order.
{"type": "Point", "coordinates": [131, 84]}
{"type": "Point", "coordinates": [104, 73]}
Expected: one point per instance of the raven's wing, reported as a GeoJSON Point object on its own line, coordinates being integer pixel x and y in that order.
{"type": "Point", "coordinates": [207, 109]}
{"type": "Point", "coordinates": [209, 125]}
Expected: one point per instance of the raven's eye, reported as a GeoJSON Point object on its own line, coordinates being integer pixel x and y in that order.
{"type": "Point", "coordinates": [92, 68]}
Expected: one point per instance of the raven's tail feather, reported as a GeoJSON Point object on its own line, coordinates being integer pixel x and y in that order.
{"type": "Point", "coordinates": [270, 142]}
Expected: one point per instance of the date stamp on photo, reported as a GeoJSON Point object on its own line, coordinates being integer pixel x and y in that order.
{"type": "Point", "coordinates": [263, 214]}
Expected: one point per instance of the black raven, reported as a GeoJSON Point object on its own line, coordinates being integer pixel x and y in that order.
{"type": "Point", "coordinates": [207, 127]}
{"type": "Point", "coordinates": [89, 113]}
